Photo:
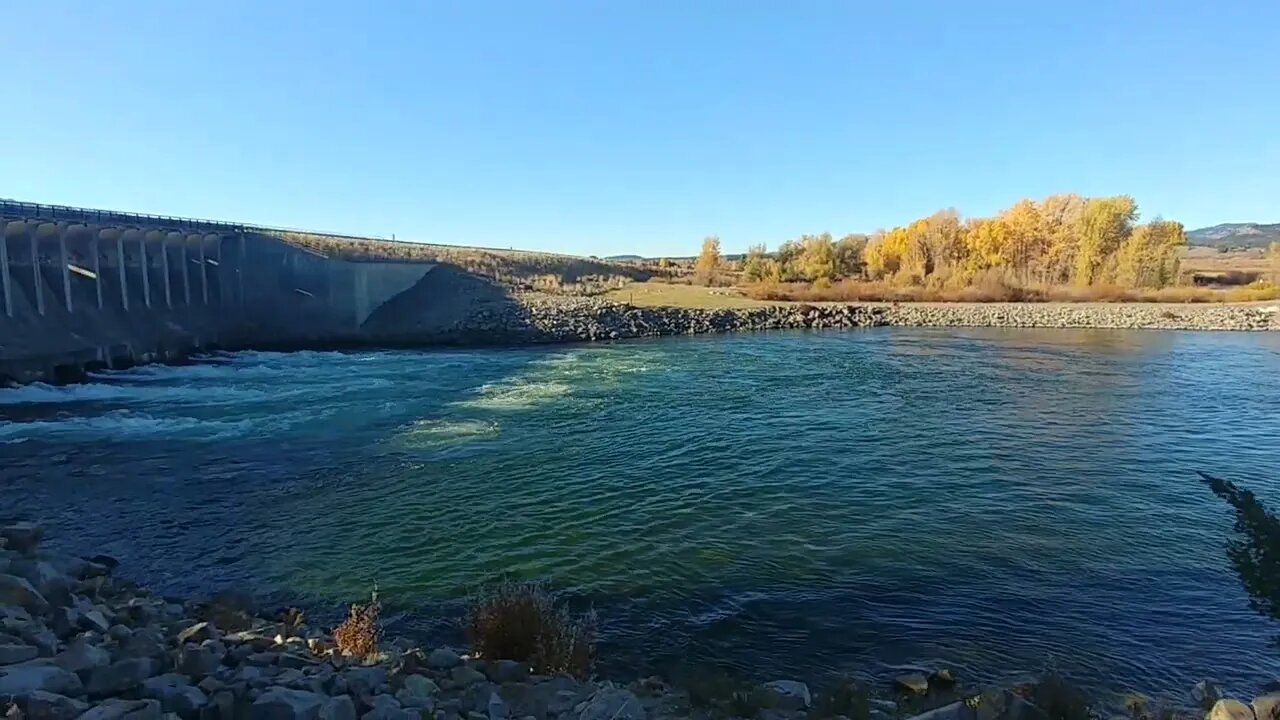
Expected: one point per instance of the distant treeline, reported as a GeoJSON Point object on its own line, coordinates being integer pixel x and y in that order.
{"type": "Point", "coordinates": [1062, 240]}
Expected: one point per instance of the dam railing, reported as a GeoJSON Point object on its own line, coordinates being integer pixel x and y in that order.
{"type": "Point", "coordinates": [44, 211]}
{"type": "Point", "coordinates": [41, 211]}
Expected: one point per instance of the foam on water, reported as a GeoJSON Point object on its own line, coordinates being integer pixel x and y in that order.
{"type": "Point", "coordinates": [444, 431]}
{"type": "Point", "coordinates": [42, 394]}
{"type": "Point", "coordinates": [516, 394]}
{"type": "Point", "coordinates": [124, 424]}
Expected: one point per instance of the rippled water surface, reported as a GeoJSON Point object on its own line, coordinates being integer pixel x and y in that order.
{"type": "Point", "coordinates": [785, 504]}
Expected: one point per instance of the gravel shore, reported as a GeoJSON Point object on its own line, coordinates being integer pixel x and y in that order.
{"type": "Point", "coordinates": [559, 319]}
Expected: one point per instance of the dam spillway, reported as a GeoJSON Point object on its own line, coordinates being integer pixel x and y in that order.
{"type": "Point", "coordinates": [82, 289]}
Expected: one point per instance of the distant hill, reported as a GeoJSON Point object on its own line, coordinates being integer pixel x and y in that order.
{"type": "Point", "coordinates": [625, 258]}
{"type": "Point", "coordinates": [1236, 235]}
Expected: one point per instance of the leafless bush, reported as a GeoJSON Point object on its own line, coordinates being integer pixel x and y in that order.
{"type": "Point", "coordinates": [520, 621]}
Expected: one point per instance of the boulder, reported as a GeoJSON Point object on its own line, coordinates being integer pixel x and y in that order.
{"type": "Point", "coordinates": [417, 702]}
{"type": "Point", "coordinates": [49, 581]}
{"type": "Point", "coordinates": [11, 654]}
{"type": "Point", "coordinates": [612, 703]}
{"type": "Point", "coordinates": [119, 676]}
{"type": "Point", "coordinates": [81, 656]}
{"type": "Point", "coordinates": [197, 633]}
{"type": "Point", "coordinates": [176, 694]}
{"type": "Point", "coordinates": [22, 537]}
{"type": "Point", "coordinates": [41, 637]}
{"type": "Point", "coordinates": [443, 659]}
{"type": "Point", "coordinates": [497, 708]}
{"type": "Point", "coordinates": [41, 705]}
{"type": "Point", "coordinates": [35, 675]}
{"type": "Point", "coordinates": [222, 706]}
{"type": "Point", "coordinates": [1205, 694]}
{"type": "Point", "coordinates": [1267, 707]}
{"type": "Point", "coordinates": [17, 591]}
{"type": "Point", "coordinates": [466, 675]}
{"type": "Point", "coordinates": [290, 677]}
{"type": "Point", "coordinates": [284, 704]}
{"type": "Point", "coordinates": [95, 620]}
{"type": "Point", "coordinates": [419, 686]}
{"type": "Point", "coordinates": [64, 621]}
{"type": "Point", "coordinates": [1230, 709]}
{"type": "Point", "coordinates": [912, 683]}
{"type": "Point", "coordinates": [384, 707]}
{"type": "Point", "coordinates": [294, 660]}
{"type": "Point", "coordinates": [198, 661]}
{"type": "Point", "coordinates": [120, 709]}
{"type": "Point", "coordinates": [119, 633]}
{"type": "Point", "coordinates": [338, 708]}
{"type": "Point", "coordinates": [146, 642]}
{"type": "Point", "coordinates": [788, 694]}
{"type": "Point", "coordinates": [74, 568]}
{"type": "Point", "coordinates": [504, 671]}
{"type": "Point", "coordinates": [365, 680]}
{"type": "Point", "coordinates": [262, 658]}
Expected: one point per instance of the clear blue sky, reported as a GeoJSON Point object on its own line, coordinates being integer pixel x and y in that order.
{"type": "Point", "coordinates": [610, 126]}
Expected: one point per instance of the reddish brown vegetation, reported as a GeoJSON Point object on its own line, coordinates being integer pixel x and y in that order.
{"type": "Point", "coordinates": [520, 621]}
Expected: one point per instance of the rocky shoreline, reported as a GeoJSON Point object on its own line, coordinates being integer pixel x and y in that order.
{"type": "Point", "coordinates": [77, 643]}
{"type": "Point", "coordinates": [562, 319]}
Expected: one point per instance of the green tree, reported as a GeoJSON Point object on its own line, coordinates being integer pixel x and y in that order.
{"type": "Point", "coordinates": [756, 266]}
{"type": "Point", "coordinates": [708, 265]}
{"type": "Point", "coordinates": [788, 259]}
{"type": "Point", "coordinates": [817, 257]}
{"type": "Point", "coordinates": [849, 253]}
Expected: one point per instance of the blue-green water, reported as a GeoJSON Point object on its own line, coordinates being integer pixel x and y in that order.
{"type": "Point", "coordinates": [786, 504]}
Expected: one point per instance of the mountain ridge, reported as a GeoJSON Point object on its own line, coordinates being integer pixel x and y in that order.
{"type": "Point", "coordinates": [1235, 235]}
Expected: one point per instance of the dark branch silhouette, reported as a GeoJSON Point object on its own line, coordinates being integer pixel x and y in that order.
{"type": "Point", "coordinates": [1255, 554]}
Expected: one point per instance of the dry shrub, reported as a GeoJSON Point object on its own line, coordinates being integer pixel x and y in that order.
{"type": "Point", "coordinates": [1059, 699]}
{"type": "Point", "coordinates": [358, 635]}
{"type": "Point", "coordinates": [848, 698]}
{"type": "Point", "coordinates": [520, 621]}
{"type": "Point", "coordinates": [291, 620]}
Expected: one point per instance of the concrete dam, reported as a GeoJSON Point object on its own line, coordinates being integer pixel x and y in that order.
{"type": "Point", "coordinates": [87, 289]}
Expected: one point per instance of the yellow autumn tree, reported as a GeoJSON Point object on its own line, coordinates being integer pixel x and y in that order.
{"type": "Point", "coordinates": [1274, 254]}
{"type": "Point", "coordinates": [890, 252]}
{"type": "Point", "coordinates": [1151, 255]}
{"type": "Point", "coordinates": [1061, 215]}
{"type": "Point", "coordinates": [987, 241]}
{"type": "Point", "coordinates": [1027, 241]}
{"type": "Point", "coordinates": [1104, 225]}
{"type": "Point", "coordinates": [708, 265]}
{"type": "Point", "coordinates": [943, 235]}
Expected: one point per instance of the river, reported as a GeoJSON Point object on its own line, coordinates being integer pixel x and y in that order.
{"type": "Point", "coordinates": [788, 504]}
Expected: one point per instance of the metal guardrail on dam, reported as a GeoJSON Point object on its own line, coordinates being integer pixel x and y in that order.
{"type": "Point", "coordinates": [41, 211]}
{"type": "Point", "coordinates": [67, 213]}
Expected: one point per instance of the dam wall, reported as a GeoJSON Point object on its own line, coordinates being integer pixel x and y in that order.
{"type": "Point", "coordinates": [85, 289]}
